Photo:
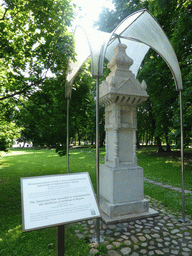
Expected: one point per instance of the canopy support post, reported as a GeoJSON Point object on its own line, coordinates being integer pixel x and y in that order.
{"type": "Point", "coordinates": [97, 155]}
{"type": "Point", "coordinates": [68, 135]}
{"type": "Point", "coordinates": [182, 158]}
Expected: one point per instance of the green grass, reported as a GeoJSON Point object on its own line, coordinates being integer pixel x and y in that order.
{"type": "Point", "coordinates": [25, 163]}
{"type": "Point", "coordinates": [165, 169]}
{"type": "Point", "coordinates": [169, 198]}
{"type": "Point", "coordinates": [30, 162]}
{"type": "Point", "coordinates": [41, 242]}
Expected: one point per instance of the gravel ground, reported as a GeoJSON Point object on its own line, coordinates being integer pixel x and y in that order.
{"type": "Point", "coordinates": [161, 235]}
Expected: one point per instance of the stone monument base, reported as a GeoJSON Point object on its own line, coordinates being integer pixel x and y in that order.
{"type": "Point", "coordinates": [123, 218]}
{"type": "Point", "coordinates": [115, 210]}
{"type": "Point", "coordinates": [121, 193]}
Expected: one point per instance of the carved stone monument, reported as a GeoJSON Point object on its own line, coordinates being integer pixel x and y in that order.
{"type": "Point", "coordinates": [121, 180]}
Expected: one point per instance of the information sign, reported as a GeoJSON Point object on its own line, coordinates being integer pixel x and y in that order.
{"type": "Point", "coordinates": [57, 199]}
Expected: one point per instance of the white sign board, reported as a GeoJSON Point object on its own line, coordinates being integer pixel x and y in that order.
{"type": "Point", "coordinates": [57, 199]}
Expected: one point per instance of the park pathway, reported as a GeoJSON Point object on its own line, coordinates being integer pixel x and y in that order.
{"type": "Point", "coordinates": [164, 235]}
{"type": "Point", "coordinates": [167, 186]}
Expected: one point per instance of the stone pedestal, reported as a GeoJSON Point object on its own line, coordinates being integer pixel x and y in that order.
{"type": "Point", "coordinates": [122, 194]}
{"type": "Point", "coordinates": [121, 180]}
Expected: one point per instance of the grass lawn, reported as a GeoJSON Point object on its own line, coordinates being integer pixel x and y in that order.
{"type": "Point", "coordinates": [26, 163]}
{"type": "Point", "coordinates": [30, 162]}
{"type": "Point", "coordinates": [165, 168]}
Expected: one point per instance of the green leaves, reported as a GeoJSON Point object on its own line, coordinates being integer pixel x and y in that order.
{"type": "Point", "coordinates": [163, 115]}
{"type": "Point", "coordinates": [35, 39]}
{"type": "Point", "coordinates": [34, 50]}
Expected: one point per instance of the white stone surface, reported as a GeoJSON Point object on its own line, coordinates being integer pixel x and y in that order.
{"type": "Point", "coordinates": [123, 184]}
{"type": "Point", "coordinates": [121, 180]}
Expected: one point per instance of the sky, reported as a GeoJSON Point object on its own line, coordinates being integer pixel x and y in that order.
{"type": "Point", "coordinates": [90, 10]}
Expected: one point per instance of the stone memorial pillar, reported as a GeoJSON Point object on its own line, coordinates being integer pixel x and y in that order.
{"type": "Point", "coordinates": [121, 180]}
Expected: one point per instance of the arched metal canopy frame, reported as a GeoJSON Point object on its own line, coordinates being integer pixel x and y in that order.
{"type": "Point", "coordinates": [140, 32]}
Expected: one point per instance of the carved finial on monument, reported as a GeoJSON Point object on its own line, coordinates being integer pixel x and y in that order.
{"type": "Point", "coordinates": [120, 58]}
{"type": "Point", "coordinates": [121, 86]}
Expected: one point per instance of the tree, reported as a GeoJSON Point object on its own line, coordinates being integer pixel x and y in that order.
{"type": "Point", "coordinates": [162, 94]}
{"type": "Point", "coordinates": [8, 127]}
{"type": "Point", "coordinates": [83, 107]}
{"type": "Point", "coordinates": [82, 104]}
{"type": "Point", "coordinates": [146, 123]}
{"type": "Point", "coordinates": [109, 19]}
{"type": "Point", "coordinates": [175, 18]}
{"type": "Point", "coordinates": [43, 115]}
{"type": "Point", "coordinates": [35, 42]}
{"type": "Point", "coordinates": [34, 50]}
{"type": "Point", "coordinates": [181, 41]}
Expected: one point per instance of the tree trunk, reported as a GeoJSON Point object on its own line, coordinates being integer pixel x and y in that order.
{"type": "Point", "coordinates": [160, 148]}
{"type": "Point", "coordinates": [102, 139]}
{"type": "Point", "coordinates": [92, 140]}
{"type": "Point", "coordinates": [79, 139]}
{"type": "Point", "coordinates": [137, 141]}
{"type": "Point", "coordinates": [168, 147]}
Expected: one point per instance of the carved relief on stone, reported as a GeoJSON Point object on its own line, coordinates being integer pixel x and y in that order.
{"type": "Point", "coordinates": [120, 94]}
{"type": "Point", "coordinates": [128, 117]}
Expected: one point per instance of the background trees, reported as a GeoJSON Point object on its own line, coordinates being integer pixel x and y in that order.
{"type": "Point", "coordinates": [82, 106]}
{"type": "Point", "coordinates": [35, 42]}
{"type": "Point", "coordinates": [161, 112]}
{"type": "Point", "coordinates": [34, 48]}
{"type": "Point", "coordinates": [34, 52]}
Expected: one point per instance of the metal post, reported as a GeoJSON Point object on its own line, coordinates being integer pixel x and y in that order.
{"type": "Point", "coordinates": [61, 240]}
{"type": "Point", "coordinates": [67, 135]}
{"type": "Point", "coordinates": [182, 158]}
{"type": "Point", "coordinates": [97, 155]}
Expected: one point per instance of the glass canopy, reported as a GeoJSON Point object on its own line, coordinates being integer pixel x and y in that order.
{"type": "Point", "coordinates": [139, 31]}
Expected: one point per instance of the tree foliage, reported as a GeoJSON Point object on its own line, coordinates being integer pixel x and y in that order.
{"type": "Point", "coordinates": [161, 112]}
{"type": "Point", "coordinates": [35, 42]}
{"type": "Point", "coordinates": [34, 50]}
{"type": "Point", "coordinates": [82, 103]}
{"type": "Point", "coordinates": [43, 115]}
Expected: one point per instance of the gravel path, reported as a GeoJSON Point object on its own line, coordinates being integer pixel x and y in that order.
{"type": "Point", "coordinates": [161, 235]}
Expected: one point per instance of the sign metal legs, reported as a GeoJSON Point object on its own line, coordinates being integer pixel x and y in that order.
{"type": "Point", "coordinates": [61, 240]}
